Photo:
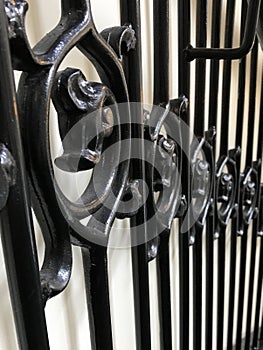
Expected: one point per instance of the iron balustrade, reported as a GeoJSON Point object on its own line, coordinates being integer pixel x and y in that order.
{"type": "Point", "coordinates": [159, 171]}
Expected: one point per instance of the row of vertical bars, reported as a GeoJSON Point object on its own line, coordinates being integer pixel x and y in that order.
{"type": "Point", "coordinates": [215, 251]}
{"type": "Point", "coordinates": [130, 13]}
{"type": "Point", "coordinates": [234, 335]}
{"type": "Point", "coordinates": [95, 258]}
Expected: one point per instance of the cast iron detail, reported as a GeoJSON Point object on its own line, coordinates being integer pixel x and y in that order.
{"type": "Point", "coordinates": [132, 200]}
{"type": "Point", "coordinates": [225, 189]}
{"type": "Point", "coordinates": [75, 99]}
{"type": "Point", "coordinates": [121, 39]}
{"type": "Point", "coordinates": [203, 171]}
{"type": "Point", "coordinates": [167, 154]}
{"type": "Point", "coordinates": [7, 174]}
{"type": "Point", "coordinates": [95, 116]}
{"type": "Point", "coordinates": [249, 192]}
{"type": "Point", "coordinates": [73, 95]}
{"type": "Point", "coordinates": [202, 188]}
{"type": "Point", "coordinates": [40, 66]}
{"type": "Point", "coordinates": [15, 11]}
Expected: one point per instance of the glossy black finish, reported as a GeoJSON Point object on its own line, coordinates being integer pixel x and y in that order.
{"type": "Point", "coordinates": [228, 53]}
{"type": "Point", "coordinates": [130, 13]}
{"type": "Point", "coordinates": [183, 239]}
{"type": "Point", "coordinates": [221, 195]}
{"type": "Point", "coordinates": [212, 122]}
{"type": "Point", "coordinates": [98, 304]}
{"type": "Point", "coordinates": [161, 51]}
{"type": "Point", "coordinates": [244, 237]}
{"type": "Point", "coordinates": [161, 95]}
{"type": "Point", "coordinates": [257, 167]}
{"type": "Point", "coordinates": [164, 291]}
{"type": "Point", "coordinates": [225, 116]}
{"type": "Point", "coordinates": [259, 233]}
{"type": "Point", "coordinates": [235, 220]}
{"type": "Point", "coordinates": [17, 231]}
{"type": "Point", "coordinates": [200, 72]}
{"type": "Point", "coordinates": [35, 93]}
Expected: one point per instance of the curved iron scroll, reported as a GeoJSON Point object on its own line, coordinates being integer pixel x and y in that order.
{"type": "Point", "coordinates": [158, 171]}
{"type": "Point", "coordinates": [75, 28]}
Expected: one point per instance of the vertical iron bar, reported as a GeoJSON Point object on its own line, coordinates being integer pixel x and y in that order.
{"type": "Point", "coordinates": [241, 294]}
{"type": "Point", "coordinates": [238, 143]}
{"type": "Point", "coordinates": [130, 13]}
{"type": "Point", "coordinates": [214, 69]}
{"type": "Point", "coordinates": [161, 95]}
{"type": "Point", "coordinates": [232, 282]}
{"type": "Point", "coordinates": [184, 89]}
{"type": "Point", "coordinates": [241, 83]}
{"type": "Point", "coordinates": [210, 230]}
{"type": "Point", "coordinates": [260, 270]}
{"type": "Point", "coordinates": [200, 71]}
{"type": "Point", "coordinates": [256, 333]}
{"type": "Point", "coordinates": [249, 153]}
{"type": "Point", "coordinates": [164, 295]}
{"type": "Point", "coordinates": [252, 104]}
{"type": "Point", "coordinates": [97, 292]}
{"type": "Point", "coordinates": [161, 51]}
{"type": "Point", "coordinates": [184, 290]}
{"type": "Point", "coordinates": [197, 287]}
{"type": "Point", "coordinates": [201, 24]}
{"type": "Point", "coordinates": [16, 220]}
{"type": "Point", "coordinates": [183, 41]}
{"type": "Point", "coordinates": [254, 230]}
{"type": "Point", "coordinates": [221, 287]}
{"type": "Point", "coordinates": [230, 12]}
{"type": "Point", "coordinates": [141, 296]}
{"type": "Point", "coordinates": [251, 284]}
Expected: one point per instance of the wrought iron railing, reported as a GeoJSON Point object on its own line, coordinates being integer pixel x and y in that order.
{"type": "Point", "coordinates": [154, 166]}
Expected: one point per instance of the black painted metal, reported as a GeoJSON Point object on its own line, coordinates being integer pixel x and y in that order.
{"type": "Point", "coordinates": [95, 264]}
{"type": "Point", "coordinates": [234, 228]}
{"type": "Point", "coordinates": [244, 236]}
{"type": "Point", "coordinates": [237, 53]}
{"type": "Point", "coordinates": [223, 150]}
{"type": "Point", "coordinates": [161, 96]}
{"type": "Point", "coordinates": [212, 122]}
{"type": "Point", "coordinates": [201, 15]}
{"type": "Point", "coordinates": [259, 233]}
{"type": "Point", "coordinates": [16, 220]}
{"type": "Point", "coordinates": [130, 13]}
{"type": "Point", "coordinates": [223, 195]}
{"type": "Point", "coordinates": [184, 89]}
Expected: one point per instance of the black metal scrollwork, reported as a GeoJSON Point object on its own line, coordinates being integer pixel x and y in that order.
{"type": "Point", "coordinates": [226, 185]}
{"type": "Point", "coordinates": [41, 63]}
{"type": "Point", "coordinates": [74, 98]}
{"type": "Point", "coordinates": [95, 118]}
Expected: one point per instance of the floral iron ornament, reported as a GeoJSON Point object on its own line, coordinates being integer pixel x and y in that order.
{"type": "Point", "coordinates": [133, 161]}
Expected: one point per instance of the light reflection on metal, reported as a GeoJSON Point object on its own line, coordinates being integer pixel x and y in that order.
{"type": "Point", "coordinates": [176, 176]}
